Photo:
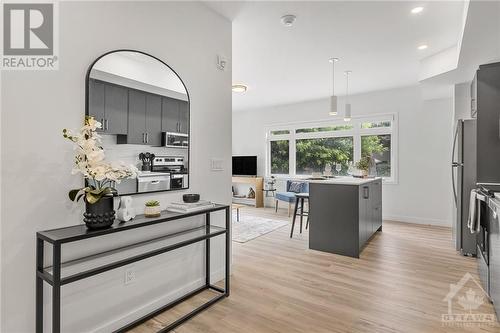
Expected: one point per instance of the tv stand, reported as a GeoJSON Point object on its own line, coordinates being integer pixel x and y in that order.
{"type": "Point", "coordinates": [254, 182]}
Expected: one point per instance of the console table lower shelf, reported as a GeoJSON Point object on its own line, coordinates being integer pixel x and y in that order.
{"type": "Point", "coordinates": [60, 274]}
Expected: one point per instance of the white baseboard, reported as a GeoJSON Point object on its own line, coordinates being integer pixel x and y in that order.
{"type": "Point", "coordinates": [418, 220]}
{"type": "Point", "coordinates": [400, 218]}
{"type": "Point", "coordinates": [129, 317]}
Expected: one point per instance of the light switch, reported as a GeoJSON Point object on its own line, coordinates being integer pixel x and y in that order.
{"type": "Point", "coordinates": [217, 164]}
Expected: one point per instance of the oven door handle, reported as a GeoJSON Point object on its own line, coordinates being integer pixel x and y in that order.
{"type": "Point", "coordinates": [481, 197]}
{"type": "Point", "coordinates": [493, 207]}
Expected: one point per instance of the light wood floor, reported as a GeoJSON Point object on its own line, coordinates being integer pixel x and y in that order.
{"type": "Point", "coordinates": [279, 285]}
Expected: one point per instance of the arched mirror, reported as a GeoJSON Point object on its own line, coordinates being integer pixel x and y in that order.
{"type": "Point", "coordinates": [143, 106]}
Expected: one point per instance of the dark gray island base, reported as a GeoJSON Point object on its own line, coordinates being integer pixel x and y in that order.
{"type": "Point", "coordinates": [345, 213]}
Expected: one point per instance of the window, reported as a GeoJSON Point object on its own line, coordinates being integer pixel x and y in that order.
{"type": "Point", "coordinates": [378, 149]}
{"type": "Point", "coordinates": [334, 147]}
{"type": "Point", "coordinates": [280, 157]}
{"type": "Point", "coordinates": [314, 155]}
{"type": "Point", "coordinates": [376, 124]}
{"type": "Point", "coordinates": [324, 129]}
{"type": "Point", "coordinates": [280, 132]}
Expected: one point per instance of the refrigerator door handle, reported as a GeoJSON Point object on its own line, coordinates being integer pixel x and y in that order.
{"type": "Point", "coordinates": [453, 183]}
{"type": "Point", "coordinates": [454, 165]}
{"type": "Point", "coordinates": [455, 137]}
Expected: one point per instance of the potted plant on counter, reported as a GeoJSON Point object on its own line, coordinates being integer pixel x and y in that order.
{"type": "Point", "coordinates": [363, 165]}
{"type": "Point", "coordinates": [152, 208]}
{"type": "Point", "coordinates": [100, 175]}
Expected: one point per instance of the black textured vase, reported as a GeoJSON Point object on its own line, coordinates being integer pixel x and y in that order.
{"type": "Point", "coordinates": [99, 215]}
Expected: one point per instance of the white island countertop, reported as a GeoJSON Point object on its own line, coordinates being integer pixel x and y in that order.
{"type": "Point", "coordinates": [342, 181]}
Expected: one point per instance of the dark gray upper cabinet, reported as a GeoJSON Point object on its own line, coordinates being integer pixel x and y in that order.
{"type": "Point", "coordinates": [488, 131]}
{"type": "Point", "coordinates": [96, 101]}
{"type": "Point", "coordinates": [144, 118]}
{"type": "Point", "coordinates": [175, 116]}
{"type": "Point", "coordinates": [115, 109]}
{"type": "Point", "coordinates": [183, 117]}
{"type": "Point", "coordinates": [108, 104]}
{"type": "Point", "coordinates": [170, 115]}
{"type": "Point", "coordinates": [136, 117]}
{"type": "Point", "coordinates": [153, 120]}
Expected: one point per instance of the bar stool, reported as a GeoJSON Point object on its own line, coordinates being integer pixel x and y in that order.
{"type": "Point", "coordinates": [300, 197]}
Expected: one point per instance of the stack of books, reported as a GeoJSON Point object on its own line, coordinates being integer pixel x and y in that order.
{"type": "Point", "coordinates": [183, 207]}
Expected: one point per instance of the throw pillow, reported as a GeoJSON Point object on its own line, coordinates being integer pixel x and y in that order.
{"type": "Point", "coordinates": [295, 187]}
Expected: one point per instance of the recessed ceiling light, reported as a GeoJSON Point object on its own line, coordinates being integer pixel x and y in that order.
{"type": "Point", "coordinates": [288, 20]}
{"type": "Point", "coordinates": [422, 47]}
{"type": "Point", "coordinates": [417, 10]}
{"type": "Point", "coordinates": [239, 88]}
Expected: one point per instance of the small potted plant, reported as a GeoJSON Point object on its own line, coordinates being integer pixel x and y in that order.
{"type": "Point", "coordinates": [100, 175]}
{"type": "Point", "coordinates": [364, 165]}
{"type": "Point", "coordinates": [152, 208]}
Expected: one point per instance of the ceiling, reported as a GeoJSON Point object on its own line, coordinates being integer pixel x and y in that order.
{"type": "Point", "coordinates": [376, 40]}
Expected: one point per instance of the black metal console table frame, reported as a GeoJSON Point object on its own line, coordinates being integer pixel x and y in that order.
{"type": "Point", "coordinates": [58, 237]}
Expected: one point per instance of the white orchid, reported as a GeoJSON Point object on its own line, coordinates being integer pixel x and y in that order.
{"type": "Point", "coordinates": [90, 162]}
{"type": "Point", "coordinates": [95, 156]}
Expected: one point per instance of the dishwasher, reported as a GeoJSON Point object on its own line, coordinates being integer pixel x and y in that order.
{"type": "Point", "coordinates": [483, 240]}
{"type": "Point", "coordinates": [153, 181]}
{"type": "Point", "coordinates": [494, 252]}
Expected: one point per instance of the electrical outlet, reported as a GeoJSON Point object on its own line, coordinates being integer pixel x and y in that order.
{"type": "Point", "coordinates": [129, 275]}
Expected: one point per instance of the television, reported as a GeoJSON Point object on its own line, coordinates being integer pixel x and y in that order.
{"type": "Point", "coordinates": [244, 165]}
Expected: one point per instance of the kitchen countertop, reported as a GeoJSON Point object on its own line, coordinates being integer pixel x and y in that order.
{"type": "Point", "coordinates": [342, 181]}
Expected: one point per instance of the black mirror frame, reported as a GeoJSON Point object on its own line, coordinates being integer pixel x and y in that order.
{"type": "Point", "coordinates": [87, 78]}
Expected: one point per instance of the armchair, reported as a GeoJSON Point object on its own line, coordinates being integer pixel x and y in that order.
{"type": "Point", "coordinates": [292, 187]}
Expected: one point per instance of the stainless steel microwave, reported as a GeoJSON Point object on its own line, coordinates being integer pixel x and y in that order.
{"type": "Point", "coordinates": [174, 140]}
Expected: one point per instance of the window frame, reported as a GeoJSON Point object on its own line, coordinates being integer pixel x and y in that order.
{"type": "Point", "coordinates": [356, 133]}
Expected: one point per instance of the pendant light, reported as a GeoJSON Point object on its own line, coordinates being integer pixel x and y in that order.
{"type": "Point", "coordinates": [333, 98]}
{"type": "Point", "coordinates": [347, 115]}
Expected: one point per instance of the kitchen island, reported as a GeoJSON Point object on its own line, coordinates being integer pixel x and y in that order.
{"type": "Point", "coordinates": [344, 214]}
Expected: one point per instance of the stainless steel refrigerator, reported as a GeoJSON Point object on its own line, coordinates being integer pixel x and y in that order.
{"type": "Point", "coordinates": [464, 180]}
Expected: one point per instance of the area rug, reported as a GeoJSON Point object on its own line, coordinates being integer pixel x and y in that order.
{"type": "Point", "coordinates": [250, 227]}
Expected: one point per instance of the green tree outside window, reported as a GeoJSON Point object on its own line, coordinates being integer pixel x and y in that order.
{"type": "Point", "coordinates": [312, 155]}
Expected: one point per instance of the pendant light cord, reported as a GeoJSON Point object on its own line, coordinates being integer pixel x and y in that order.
{"type": "Point", "coordinates": [347, 86]}
{"type": "Point", "coordinates": [333, 78]}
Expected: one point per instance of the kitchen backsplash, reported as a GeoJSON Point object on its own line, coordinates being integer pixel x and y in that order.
{"type": "Point", "coordinates": [129, 154]}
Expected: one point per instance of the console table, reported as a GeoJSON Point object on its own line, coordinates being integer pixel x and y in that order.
{"type": "Point", "coordinates": [54, 276]}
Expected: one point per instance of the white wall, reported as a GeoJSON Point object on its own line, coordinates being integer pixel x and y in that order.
{"type": "Point", "coordinates": [1, 185]}
{"type": "Point", "coordinates": [423, 193]}
{"type": "Point", "coordinates": [36, 160]}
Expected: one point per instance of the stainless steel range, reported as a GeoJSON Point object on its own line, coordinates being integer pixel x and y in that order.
{"type": "Point", "coordinates": [175, 166]}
